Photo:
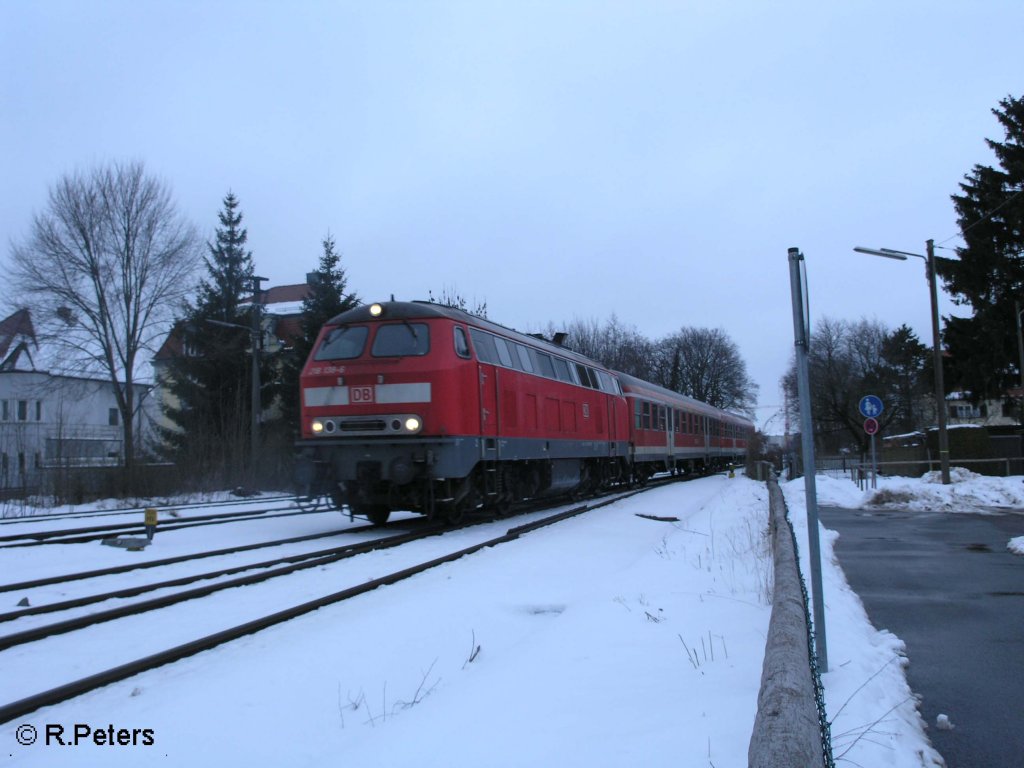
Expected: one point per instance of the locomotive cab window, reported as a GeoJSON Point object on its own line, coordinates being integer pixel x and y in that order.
{"type": "Point", "coordinates": [344, 343]}
{"type": "Point", "coordinates": [461, 342]}
{"type": "Point", "coordinates": [402, 340]}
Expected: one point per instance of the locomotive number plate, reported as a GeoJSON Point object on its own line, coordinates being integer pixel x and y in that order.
{"type": "Point", "coordinates": [361, 394]}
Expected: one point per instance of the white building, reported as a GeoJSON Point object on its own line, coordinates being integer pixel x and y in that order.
{"type": "Point", "coordinates": [51, 421]}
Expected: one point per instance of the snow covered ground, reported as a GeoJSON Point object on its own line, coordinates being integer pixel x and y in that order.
{"type": "Point", "coordinates": [608, 640]}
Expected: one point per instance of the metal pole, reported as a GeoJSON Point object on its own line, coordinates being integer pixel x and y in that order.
{"type": "Point", "coordinates": [254, 434]}
{"type": "Point", "coordinates": [801, 339]}
{"type": "Point", "coordinates": [1020, 353]}
{"type": "Point", "coordinates": [874, 465]}
{"type": "Point", "coordinates": [940, 389]}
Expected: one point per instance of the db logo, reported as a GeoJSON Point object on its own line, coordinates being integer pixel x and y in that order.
{"type": "Point", "coordinates": [362, 394]}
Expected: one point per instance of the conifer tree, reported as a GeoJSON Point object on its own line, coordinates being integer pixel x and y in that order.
{"type": "Point", "coordinates": [328, 297]}
{"type": "Point", "coordinates": [989, 275]}
{"type": "Point", "coordinates": [210, 379]}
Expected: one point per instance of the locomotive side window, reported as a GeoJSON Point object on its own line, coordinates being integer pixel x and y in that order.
{"type": "Point", "coordinates": [344, 343]}
{"type": "Point", "coordinates": [588, 377]}
{"type": "Point", "coordinates": [524, 357]}
{"type": "Point", "coordinates": [404, 340]}
{"type": "Point", "coordinates": [562, 370]}
{"type": "Point", "coordinates": [647, 416]}
{"type": "Point", "coordinates": [484, 345]}
{"type": "Point", "coordinates": [543, 364]}
{"type": "Point", "coordinates": [461, 342]}
{"type": "Point", "coordinates": [608, 384]}
{"type": "Point", "coordinates": [503, 354]}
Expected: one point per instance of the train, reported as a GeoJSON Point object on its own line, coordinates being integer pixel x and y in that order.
{"type": "Point", "coordinates": [418, 406]}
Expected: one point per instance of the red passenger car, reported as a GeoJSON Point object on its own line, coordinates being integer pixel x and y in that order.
{"type": "Point", "coordinates": [675, 433]}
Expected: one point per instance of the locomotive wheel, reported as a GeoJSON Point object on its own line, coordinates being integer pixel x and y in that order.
{"type": "Point", "coordinates": [307, 498]}
{"type": "Point", "coordinates": [454, 514]}
{"type": "Point", "coordinates": [502, 508]}
{"type": "Point", "coordinates": [377, 514]}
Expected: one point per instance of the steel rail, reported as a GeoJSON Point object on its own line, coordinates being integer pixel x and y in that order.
{"type": "Point", "coordinates": [129, 510]}
{"type": "Point", "coordinates": [92, 533]}
{"type": "Point", "coordinates": [115, 569]}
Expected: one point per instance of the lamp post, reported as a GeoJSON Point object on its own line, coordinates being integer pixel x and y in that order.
{"type": "Point", "coordinates": [1020, 353]}
{"type": "Point", "coordinates": [940, 389]}
{"type": "Point", "coordinates": [254, 332]}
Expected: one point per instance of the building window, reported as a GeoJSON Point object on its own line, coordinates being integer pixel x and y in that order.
{"type": "Point", "coordinates": [112, 417]}
{"type": "Point", "coordinates": [39, 410]}
{"type": "Point", "coordinates": [966, 411]}
{"type": "Point", "coordinates": [23, 410]}
{"type": "Point", "coordinates": [5, 411]}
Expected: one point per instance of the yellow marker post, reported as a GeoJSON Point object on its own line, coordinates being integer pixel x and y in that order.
{"type": "Point", "coordinates": [150, 522]}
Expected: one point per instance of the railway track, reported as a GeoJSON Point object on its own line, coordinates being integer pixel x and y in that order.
{"type": "Point", "coordinates": [99, 532]}
{"type": "Point", "coordinates": [145, 564]}
{"type": "Point", "coordinates": [44, 517]}
{"type": "Point", "coordinates": [271, 570]}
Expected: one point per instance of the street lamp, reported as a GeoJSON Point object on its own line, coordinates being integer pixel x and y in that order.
{"type": "Point", "coordinates": [255, 334]}
{"type": "Point", "coordinates": [940, 390]}
{"type": "Point", "coordinates": [1020, 353]}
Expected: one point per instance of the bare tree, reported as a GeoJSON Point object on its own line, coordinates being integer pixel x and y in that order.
{"type": "Point", "coordinates": [620, 347]}
{"type": "Point", "coordinates": [705, 364]}
{"type": "Point", "coordinates": [105, 265]}
{"type": "Point", "coordinates": [848, 360]}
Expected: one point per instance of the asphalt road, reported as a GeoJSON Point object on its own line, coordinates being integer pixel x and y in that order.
{"type": "Point", "coordinates": [946, 584]}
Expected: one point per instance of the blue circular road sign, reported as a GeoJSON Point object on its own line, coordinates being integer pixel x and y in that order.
{"type": "Point", "coordinates": [870, 407]}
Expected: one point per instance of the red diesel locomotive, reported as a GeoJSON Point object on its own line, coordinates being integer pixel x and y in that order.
{"type": "Point", "coordinates": [422, 407]}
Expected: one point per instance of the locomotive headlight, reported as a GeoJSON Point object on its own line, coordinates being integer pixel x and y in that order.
{"type": "Point", "coordinates": [376, 310]}
{"type": "Point", "coordinates": [317, 426]}
{"type": "Point", "coordinates": [413, 424]}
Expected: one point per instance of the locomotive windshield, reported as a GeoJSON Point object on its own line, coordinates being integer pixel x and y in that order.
{"type": "Point", "coordinates": [405, 340]}
{"type": "Point", "coordinates": [345, 343]}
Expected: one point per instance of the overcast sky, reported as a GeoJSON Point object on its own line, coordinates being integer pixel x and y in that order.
{"type": "Point", "coordinates": [557, 160]}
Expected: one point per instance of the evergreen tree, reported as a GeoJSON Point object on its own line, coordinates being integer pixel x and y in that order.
{"type": "Point", "coordinates": [211, 378]}
{"type": "Point", "coordinates": [908, 380]}
{"type": "Point", "coordinates": [328, 297]}
{"type": "Point", "coordinates": [989, 275]}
